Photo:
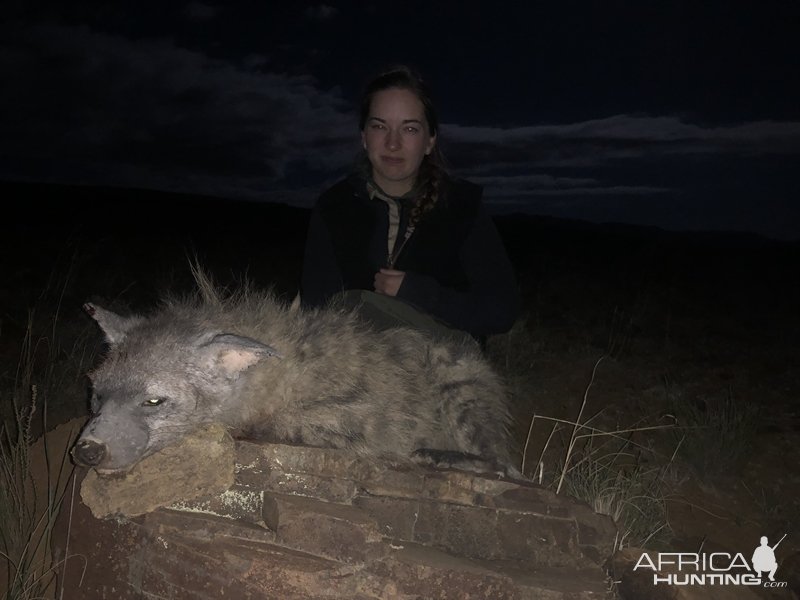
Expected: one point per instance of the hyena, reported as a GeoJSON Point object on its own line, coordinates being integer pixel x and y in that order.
{"type": "Point", "coordinates": [280, 373]}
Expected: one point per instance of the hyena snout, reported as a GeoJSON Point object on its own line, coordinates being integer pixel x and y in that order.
{"type": "Point", "coordinates": [88, 453]}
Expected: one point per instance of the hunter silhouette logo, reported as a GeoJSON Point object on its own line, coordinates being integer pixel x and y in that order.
{"type": "Point", "coordinates": [764, 557]}
{"type": "Point", "coordinates": [714, 568]}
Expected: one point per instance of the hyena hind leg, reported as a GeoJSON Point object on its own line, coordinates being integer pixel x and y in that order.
{"type": "Point", "coordinates": [478, 428]}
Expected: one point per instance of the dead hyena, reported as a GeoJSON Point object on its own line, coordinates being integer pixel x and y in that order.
{"type": "Point", "coordinates": [279, 373]}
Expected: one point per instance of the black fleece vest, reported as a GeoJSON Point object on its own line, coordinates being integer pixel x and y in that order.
{"type": "Point", "coordinates": [358, 227]}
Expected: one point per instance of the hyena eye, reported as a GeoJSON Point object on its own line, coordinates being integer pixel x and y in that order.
{"type": "Point", "coordinates": [154, 401]}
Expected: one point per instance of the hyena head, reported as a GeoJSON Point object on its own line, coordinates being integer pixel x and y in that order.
{"type": "Point", "coordinates": [162, 378]}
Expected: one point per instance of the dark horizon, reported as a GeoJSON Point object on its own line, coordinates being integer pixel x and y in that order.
{"type": "Point", "coordinates": [69, 205]}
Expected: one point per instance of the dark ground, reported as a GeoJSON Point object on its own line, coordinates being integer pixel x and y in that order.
{"type": "Point", "coordinates": [694, 319]}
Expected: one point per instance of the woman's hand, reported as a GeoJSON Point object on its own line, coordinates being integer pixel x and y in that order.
{"type": "Point", "coordinates": [388, 281]}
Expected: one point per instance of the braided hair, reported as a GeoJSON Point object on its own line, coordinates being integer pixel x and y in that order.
{"type": "Point", "coordinates": [432, 171]}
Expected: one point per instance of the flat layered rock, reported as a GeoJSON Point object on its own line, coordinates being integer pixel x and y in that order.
{"type": "Point", "coordinates": [279, 521]}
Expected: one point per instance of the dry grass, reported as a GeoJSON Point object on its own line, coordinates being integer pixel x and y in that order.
{"type": "Point", "coordinates": [28, 509]}
{"type": "Point", "coordinates": [33, 486]}
{"type": "Point", "coordinates": [608, 471]}
{"type": "Point", "coordinates": [717, 433]}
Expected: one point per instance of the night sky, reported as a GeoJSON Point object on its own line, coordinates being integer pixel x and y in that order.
{"type": "Point", "coordinates": [683, 115]}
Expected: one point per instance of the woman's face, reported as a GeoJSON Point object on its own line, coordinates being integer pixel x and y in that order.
{"type": "Point", "coordinates": [396, 137]}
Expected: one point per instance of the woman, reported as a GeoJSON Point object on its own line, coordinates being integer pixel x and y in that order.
{"type": "Point", "coordinates": [415, 242]}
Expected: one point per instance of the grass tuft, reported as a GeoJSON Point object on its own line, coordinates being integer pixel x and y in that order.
{"type": "Point", "coordinates": [609, 471]}
{"type": "Point", "coordinates": [717, 433]}
{"type": "Point", "coordinates": [33, 485]}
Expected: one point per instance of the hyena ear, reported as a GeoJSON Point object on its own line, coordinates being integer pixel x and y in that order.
{"type": "Point", "coordinates": [114, 326]}
{"type": "Point", "coordinates": [231, 354]}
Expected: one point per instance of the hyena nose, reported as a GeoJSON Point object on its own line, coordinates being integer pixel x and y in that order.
{"type": "Point", "coordinates": [89, 453]}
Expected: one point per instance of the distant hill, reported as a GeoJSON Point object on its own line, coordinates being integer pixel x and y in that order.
{"type": "Point", "coordinates": [121, 208]}
{"type": "Point", "coordinates": [60, 205]}
{"type": "Point", "coordinates": [144, 233]}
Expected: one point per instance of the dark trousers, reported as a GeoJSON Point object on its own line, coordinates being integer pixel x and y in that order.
{"type": "Point", "coordinates": [385, 312]}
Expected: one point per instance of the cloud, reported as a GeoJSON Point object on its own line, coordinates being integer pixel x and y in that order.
{"type": "Point", "coordinates": [321, 12]}
{"type": "Point", "coordinates": [616, 138]}
{"type": "Point", "coordinates": [83, 105]}
{"type": "Point", "coordinates": [519, 188]}
{"type": "Point", "coordinates": [200, 11]}
{"type": "Point", "coordinates": [625, 156]}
